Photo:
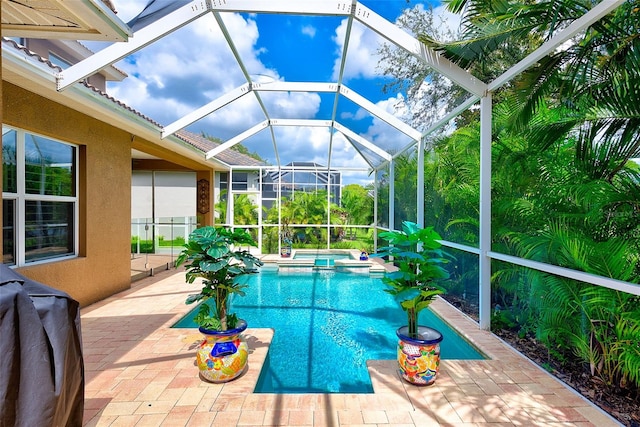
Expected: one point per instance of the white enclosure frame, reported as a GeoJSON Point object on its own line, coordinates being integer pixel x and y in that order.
{"type": "Point", "coordinates": [353, 10]}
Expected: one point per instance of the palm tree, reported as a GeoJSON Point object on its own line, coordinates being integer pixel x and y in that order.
{"type": "Point", "coordinates": [576, 114]}
{"type": "Point", "coordinates": [358, 204]}
{"type": "Point", "coordinates": [588, 90]}
{"type": "Point", "coordinates": [245, 212]}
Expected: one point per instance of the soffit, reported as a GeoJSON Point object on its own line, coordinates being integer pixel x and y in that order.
{"type": "Point", "coordinates": [62, 19]}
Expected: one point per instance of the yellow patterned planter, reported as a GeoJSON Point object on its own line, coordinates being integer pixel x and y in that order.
{"type": "Point", "coordinates": [222, 356]}
{"type": "Point", "coordinates": [419, 358]}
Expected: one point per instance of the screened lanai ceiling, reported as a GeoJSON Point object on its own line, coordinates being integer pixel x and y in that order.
{"type": "Point", "coordinates": [291, 81]}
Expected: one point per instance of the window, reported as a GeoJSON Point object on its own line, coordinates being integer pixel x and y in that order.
{"type": "Point", "coordinates": [240, 181]}
{"type": "Point", "coordinates": [39, 198]}
{"type": "Point", "coordinates": [223, 180]}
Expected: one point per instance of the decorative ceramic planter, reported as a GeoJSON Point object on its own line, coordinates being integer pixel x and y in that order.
{"type": "Point", "coordinates": [285, 251]}
{"type": "Point", "coordinates": [419, 358]}
{"type": "Point", "coordinates": [222, 356]}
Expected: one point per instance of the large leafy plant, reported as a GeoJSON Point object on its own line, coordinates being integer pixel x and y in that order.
{"type": "Point", "coordinates": [215, 254]}
{"type": "Point", "coordinates": [420, 260]}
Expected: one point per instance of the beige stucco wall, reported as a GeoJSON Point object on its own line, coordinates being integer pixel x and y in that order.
{"type": "Point", "coordinates": [103, 267]}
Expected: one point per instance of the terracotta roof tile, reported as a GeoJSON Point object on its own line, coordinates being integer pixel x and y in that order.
{"type": "Point", "coordinates": [230, 157]}
{"type": "Point", "coordinates": [32, 54]}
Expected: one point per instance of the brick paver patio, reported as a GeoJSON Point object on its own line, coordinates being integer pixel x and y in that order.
{"type": "Point", "coordinates": [141, 372]}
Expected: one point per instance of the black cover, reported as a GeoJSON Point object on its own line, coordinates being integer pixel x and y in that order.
{"type": "Point", "coordinates": [41, 365]}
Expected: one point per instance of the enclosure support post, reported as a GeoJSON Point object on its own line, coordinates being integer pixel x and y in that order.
{"type": "Point", "coordinates": [230, 196]}
{"type": "Point", "coordinates": [376, 221]}
{"type": "Point", "coordinates": [279, 210]}
{"type": "Point", "coordinates": [484, 291]}
{"type": "Point", "coordinates": [260, 209]}
{"type": "Point", "coordinates": [420, 185]}
{"type": "Point", "coordinates": [392, 189]}
{"type": "Point", "coordinates": [328, 205]}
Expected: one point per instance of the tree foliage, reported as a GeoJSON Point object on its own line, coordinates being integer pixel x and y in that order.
{"type": "Point", "coordinates": [564, 188]}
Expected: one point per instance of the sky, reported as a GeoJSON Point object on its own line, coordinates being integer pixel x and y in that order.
{"type": "Point", "coordinates": [195, 65]}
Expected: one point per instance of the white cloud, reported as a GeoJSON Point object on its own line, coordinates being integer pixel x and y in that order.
{"type": "Point", "coordinates": [362, 56]}
{"type": "Point", "coordinates": [384, 135]}
{"type": "Point", "coordinates": [172, 77]}
{"type": "Point", "coordinates": [309, 30]}
{"type": "Point", "coordinates": [193, 66]}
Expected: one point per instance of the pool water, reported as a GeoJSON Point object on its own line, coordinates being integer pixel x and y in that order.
{"type": "Point", "coordinates": [327, 325]}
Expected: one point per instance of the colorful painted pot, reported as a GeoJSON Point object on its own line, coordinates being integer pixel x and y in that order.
{"type": "Point", "coordinates": [222, 355]}
{"type": "Point", "coordinates": [419, 358]}
{"type": "Point", "coordinates": [285, 251]}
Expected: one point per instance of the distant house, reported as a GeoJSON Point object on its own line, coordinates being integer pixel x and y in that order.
{"type": "Point", "coordinates": [303, 176]}
{"type": "Point", "coordinates": [261, 184]}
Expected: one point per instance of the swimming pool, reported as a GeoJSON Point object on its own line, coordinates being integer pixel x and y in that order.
{"type": "Point", "coordinates": [327, 325]}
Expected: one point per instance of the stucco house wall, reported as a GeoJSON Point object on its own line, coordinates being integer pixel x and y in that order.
{"type": "Point", "coordinates": [103, 265]}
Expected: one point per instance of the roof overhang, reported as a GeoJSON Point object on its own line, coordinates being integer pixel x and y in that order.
{"type": "Point", "coordinates": [62, 19]}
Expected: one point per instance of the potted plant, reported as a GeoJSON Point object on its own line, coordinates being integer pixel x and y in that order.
{"type": "Point", "coordinates": [215, 255]}
{"type": "Point", "coordinates": [420, 263]}
{"type": "Point", "coordinates": [286, 240]}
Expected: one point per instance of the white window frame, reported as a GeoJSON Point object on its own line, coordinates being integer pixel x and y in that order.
{"type": "Point", "coordinates": [21, 197]}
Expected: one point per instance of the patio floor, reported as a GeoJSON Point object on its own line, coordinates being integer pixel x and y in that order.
{"type": "Point", "coordinates": [141, 372]}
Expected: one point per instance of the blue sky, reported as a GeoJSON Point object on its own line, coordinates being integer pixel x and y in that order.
{"type": "Point", "coordinates": [195, 65]}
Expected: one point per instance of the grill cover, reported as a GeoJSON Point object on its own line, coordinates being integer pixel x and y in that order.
{"type": "Point", "coordinates": [41, 365]}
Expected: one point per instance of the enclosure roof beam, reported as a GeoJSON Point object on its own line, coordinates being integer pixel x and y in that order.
{"type": "Point", "coordinates": [304, 7]}
{"type": "Point", "coordinates": [380, 113]}
{"type": "Point", "coordinates": [205, 110]}
{"type": "Point", "coordinates": [141, 38]}
{"type": "Point", "coordinates": [355, 147]}
{"type": "Point", "coordinates": [237, 139]}
{"type": "Point", "coordinates": [245, 72]}
{"type": "Point", "coordinates": [353, 136]}
{"type": "Point", "coordinates": [301, 122]}
{"type": "Point", "coordinates": [280, 86]}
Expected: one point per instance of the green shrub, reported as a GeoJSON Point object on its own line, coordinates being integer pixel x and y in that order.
{"type": "Point", "coordinates": [145, 246]}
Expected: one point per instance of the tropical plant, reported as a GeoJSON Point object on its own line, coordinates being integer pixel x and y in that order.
{"type": "Point", "coordinates": [600, 326]}
{"type": "Point", "coordinates": [357, 202]}
{"type": "Point", "coordinates": [305, 208]}
{"type": "Point", "coordinates": [587, 89]}
{"type": "Point", "coordinates": [221, 208]}
{"type": "Point", "coordinates": [215, 256]}
{"type": "Point", "coordinates": [420, 260]}
{"type": "Point", "coordinates": [245, 212]}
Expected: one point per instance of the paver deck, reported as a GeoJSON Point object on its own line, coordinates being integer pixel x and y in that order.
{"type": "Point", "coordinates": [141, 372]}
